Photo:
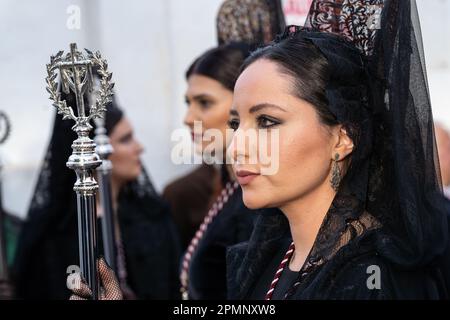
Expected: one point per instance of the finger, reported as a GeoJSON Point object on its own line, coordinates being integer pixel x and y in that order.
{"type": "Point", "coordinates": [75, 297]}
{"type": "Point", "coordinates": [109, 281]}
{"type": "Point", "coordinates": [79, 286]}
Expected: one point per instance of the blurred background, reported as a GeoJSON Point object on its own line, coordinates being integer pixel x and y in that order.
{"type": "Point", "coordinates": [148, 44]}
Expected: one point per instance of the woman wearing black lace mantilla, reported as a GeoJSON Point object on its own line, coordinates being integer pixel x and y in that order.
{"type": "Point", "coordinates": [359, 206]}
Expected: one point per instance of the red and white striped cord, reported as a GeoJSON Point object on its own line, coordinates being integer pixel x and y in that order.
{"type": "Point", "coordinates": [221, 200]}
{"type": "Point", "coordinates": [280, 270]}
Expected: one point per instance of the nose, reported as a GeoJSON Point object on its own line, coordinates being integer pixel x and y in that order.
{"type": "Point", "coordinates": [236, 149]}
{"type": "Point", "coordinates": [139, 147]}
{"type": "Point", "coordinates": [189, 118]}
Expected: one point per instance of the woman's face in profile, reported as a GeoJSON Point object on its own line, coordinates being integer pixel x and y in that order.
{"type": "Point", "coordinates": [264, 100]}
{"type": "Point", "coordinates": [127, 150]}
{"type": "Point", "coordinates": [208, 102]}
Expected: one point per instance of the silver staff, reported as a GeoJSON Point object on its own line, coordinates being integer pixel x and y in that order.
{"type": "Point", "coordinates": [75, 70]}
{"type": "Point", "coordinates": [5, 287]}
{"type": "Point", "coordinates": [104, 150]}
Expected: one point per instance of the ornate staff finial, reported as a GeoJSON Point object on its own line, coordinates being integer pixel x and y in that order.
{"type": "Point", "coordinates": [76, 74]}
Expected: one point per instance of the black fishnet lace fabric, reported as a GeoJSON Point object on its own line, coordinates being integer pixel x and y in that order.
{"type": "Point", "coordinates": [110, 288]}
{"type": "Point", "coordinates": [251, 21]}
{"type": "Point", "coordinates": [356, 20]}
{"type": "Point", "coordinates": [378, 90]}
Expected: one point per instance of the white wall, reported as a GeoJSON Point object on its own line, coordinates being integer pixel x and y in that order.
{"type": "Point", "coordinates": [148, 44]}
{"type": "Point", "coordinates": [434, 17]}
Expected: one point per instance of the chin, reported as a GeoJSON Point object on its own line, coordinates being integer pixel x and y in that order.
{"type": "Point", "coordinates": [133, 175]}
{"type": "Point", "coordinates": [137, 173]}
{"type": "Point", "coordinates": [254, 199]}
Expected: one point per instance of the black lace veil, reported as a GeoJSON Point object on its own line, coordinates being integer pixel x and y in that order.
{"type": "Point", "coordinates": [254, 22]}
{"type": "Point", "coordinates": [393, 183]}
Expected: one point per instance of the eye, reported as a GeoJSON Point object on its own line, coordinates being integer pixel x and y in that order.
{"type": "Point", "coordinates": [265, 122]}
{"type": "Point", "coordinates": [233, 123]}
{"type": "Point", "coordinates": [205, 104]}
{"type": "Point", "coordinates": [126, 139]}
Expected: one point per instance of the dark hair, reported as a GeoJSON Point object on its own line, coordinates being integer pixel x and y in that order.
{"type": "Point", "coordinates": [306, 65]}
{"type": "Point", "coordinates": [222, 63]}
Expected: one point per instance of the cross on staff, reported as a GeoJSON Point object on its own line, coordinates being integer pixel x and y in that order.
{"type": "Point", "coordinates": [77, 85]}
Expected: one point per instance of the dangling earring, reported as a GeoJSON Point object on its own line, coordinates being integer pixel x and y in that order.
{"type": "Point", "coordinates": [335, 173]}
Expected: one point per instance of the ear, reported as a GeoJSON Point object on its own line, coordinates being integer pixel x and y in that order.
{"type": "Point", "coordinates": [343, 145]}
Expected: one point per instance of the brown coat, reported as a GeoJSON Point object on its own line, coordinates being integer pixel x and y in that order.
{"type": "Point", "coordinates": [190, 198]}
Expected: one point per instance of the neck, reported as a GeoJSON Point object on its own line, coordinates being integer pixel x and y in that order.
{"type": "Point", "coordinates": [446, 182]}
{"type": "Point", "coordinates": [305, 216]}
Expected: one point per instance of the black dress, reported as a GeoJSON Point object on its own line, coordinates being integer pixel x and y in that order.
{"type": "Point", "coordinates": [207, 272]}
{"type": "Point", "coordinates": [344, 276]}
{"type": "Point", "coordinates": [151, 245]}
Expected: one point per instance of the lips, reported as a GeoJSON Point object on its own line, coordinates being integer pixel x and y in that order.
{"type": "Point", "coordinates": [244, 177]}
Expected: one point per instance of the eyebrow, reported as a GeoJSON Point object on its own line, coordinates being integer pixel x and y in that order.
{"type": "Point", "coordinates": [199, 96]}
{"type": "Point", "coordinates": [261, 106]}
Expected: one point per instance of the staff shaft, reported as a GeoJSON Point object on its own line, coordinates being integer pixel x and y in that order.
{"type": "Point", "coordinates": [108, 221]}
